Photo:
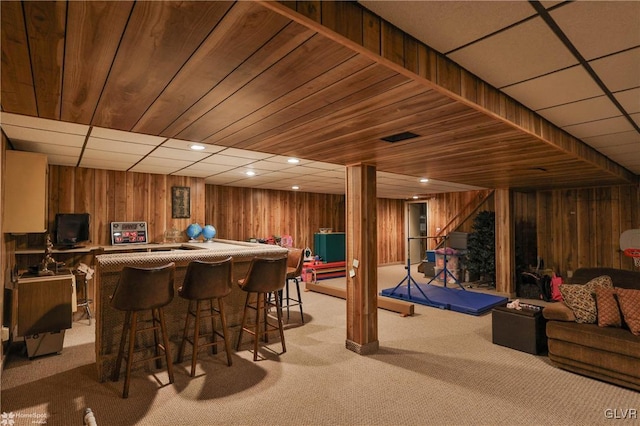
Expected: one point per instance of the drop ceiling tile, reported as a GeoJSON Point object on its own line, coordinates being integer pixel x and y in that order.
{"type": "Point", "coordinates": [445, 26]}
{"type": "Point", "coordinates": [600, 127]}
{"type": "Point", "coordinates": [192, 173]}
{"type": "Point", "coordinates": [598, 28]}
{"type": "Point", "coordinates": [220, 179]}
{"type": "Point", "coordinates": [619, 150]}
{"type": "Point", "coordinates": [178, 154]}
{"type": "Point", "coordinates": [581, 112]}
{"type": "Point", "coordinates": [227, 160]}
{"type": "Point", "coordinates": [109, 156]}
{"type": "Point", "coordinates": [209, 169]}
{"type": "Point", "coordinates": [120, 135]}
{"type": "Point", "coordinates": [42, 136]}
{"type": "Point", "coordinates": [525, 51]}
{"type": "Point", "coordinates": [242, 153]}
{"type": "Point", "coordinates": [629, 99]}
{"type": "Point", "coordinates": [542, 92]}
{"type": "Point", "coordinates": [340, 174]}
{"type": "Point", "coordinates": [43, 124]}
{"type": "Point", "coordinates": [621, 71]}
{"type": "Point", "coordinates": [324, 166]}
{"type": "Point", "coordinates": [273, 165]}
{"type": "Point", "coordinates": [62, 160]}
{"type": "Point", "coordinates": [613, 139]}
{"type": "Point", "coordinates": [151, 168]}
{"type": "Point", "coordinates": [117, 146]}
{"type": "Point", "coordinates": [169, 163]}
{"type": "Point", "coordinates": [43, 148]}
{"type": "Point", "coordinates": [101, 163]}
{"type": "Point", "coordinates": [631, 160]}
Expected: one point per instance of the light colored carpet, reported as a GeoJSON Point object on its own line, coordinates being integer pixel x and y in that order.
{"type": "Point", "coordinates": [436, 367]}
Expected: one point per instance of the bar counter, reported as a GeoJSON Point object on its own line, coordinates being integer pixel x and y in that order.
{"type": "Point", "coordinates": [108, 266]}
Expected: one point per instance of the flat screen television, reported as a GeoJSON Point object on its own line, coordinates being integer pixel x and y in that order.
{"type": "Point", "coordinates": [71, 229]}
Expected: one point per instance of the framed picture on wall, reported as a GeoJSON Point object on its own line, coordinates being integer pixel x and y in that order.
{"type": "Point", "coordinates": [180, 202]}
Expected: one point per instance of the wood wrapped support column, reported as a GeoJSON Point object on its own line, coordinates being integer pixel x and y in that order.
{"type": "Point", "coordinates": [505, 243]}
{"type": "Point", "coordinates": [361, 241]}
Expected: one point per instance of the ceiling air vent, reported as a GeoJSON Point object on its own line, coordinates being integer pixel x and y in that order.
{"type": "Point", "coordinates": [400, 137]}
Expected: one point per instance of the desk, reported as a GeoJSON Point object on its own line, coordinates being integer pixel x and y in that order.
{"type": "Point", "coordinates": [44, 311]}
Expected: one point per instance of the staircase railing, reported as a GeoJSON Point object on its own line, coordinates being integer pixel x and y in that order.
{"type": "Point", "coordinates": [465, 213]}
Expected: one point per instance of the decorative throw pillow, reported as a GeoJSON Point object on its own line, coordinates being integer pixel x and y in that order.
{"type": "Point", "coordinates": [607, 306]}
{"type": "Point", "coordinates": [630, 307]}
{"type": "Point", "coordinates": [579, 297]}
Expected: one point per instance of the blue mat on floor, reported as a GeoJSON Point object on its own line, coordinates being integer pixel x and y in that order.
{"type": "Point", "coordinates": [455, 299]}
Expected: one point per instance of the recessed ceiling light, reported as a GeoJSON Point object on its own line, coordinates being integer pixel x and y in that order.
{"type": "Point", "coordinates": [293, 161]}
{"type": "Point", "coordinates": [295, 187]}
{"type": "Point", "coordinates": [250, 173]}
{"type": "Point", "coordinates": [424, 180]}
{"type": "Point", "coordinates": [197, 147]}
{"type": "Point", "coordinates": [415, 197]}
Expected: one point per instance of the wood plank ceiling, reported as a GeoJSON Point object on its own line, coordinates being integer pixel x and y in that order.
{"type": "Point", "coordinates": [242, 75]}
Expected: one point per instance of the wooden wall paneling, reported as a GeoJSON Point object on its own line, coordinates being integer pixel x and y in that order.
{"type": "Point", "coordinates": [411, 60]}
{"type": "Point", "coordinates": [556, 221]}
{"type": "Point", "coordinates": [65, 186]}
{"type": "Point", "coordinates": [20, 99]}
{"type": "Point", "coordinates": [391, 231]}
{"type": "Point", "coordinates": [583, 235]}
{"type": "Point", "coordinates": [83, 190]}
{"type": "Point", "coordinates": [568, 253]}
{"type": "Point", "coordinates": [158, 221]}
{"type": "Point", "coordinates": [198, 185]}
{"type": "Point", "coordinates": [525, 231]}
{"type": "Point", "coordinates": [46, 50]}
{"type": "Point", "coordinates": [100, 223]}
{"type": "Point", "coordinates": [626, 219]}
{"type": "Point", "coordinates": [469, 86]}
{"type": "Point", "coordinates": [310, 9]}
{"type": "Point", "coordinates": [616, 216]}
{"type": "Point", "coordinates": [371, 32]}
{"type": "Point", "coordinates": [392, 43]}
{"type": "Point", "coordinates": [594, 231]}
{"type": "Point", "coordinates": [343, 17]}
{"type": "Point", "coordinates": [542, 218]}
{"type": "Point", "coordinates": [604, 226]}
{"type": "Point", "coordinates": [449, 75]}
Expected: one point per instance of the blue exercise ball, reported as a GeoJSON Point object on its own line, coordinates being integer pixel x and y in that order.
{"type": "Point", "coordinates": [209, 232]}
{"type": "Point", "coordinates": [194, 230]}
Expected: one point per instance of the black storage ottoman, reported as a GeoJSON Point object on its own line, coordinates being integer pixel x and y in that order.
{"type": "Point", "coordinates": [523, 329]}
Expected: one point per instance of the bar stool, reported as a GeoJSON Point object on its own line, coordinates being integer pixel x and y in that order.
{"type": "Point", "coordinates": [266, 276]}
{"type": "Point", "coordinates": [206, 282]}
{"type": "Point", "coordinates": [294, 271]}
{"type": "Point", "coordinates": [143, 289]}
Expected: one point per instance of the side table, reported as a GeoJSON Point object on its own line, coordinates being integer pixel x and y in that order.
{"type": "Point", "coordinates": [523, 330]}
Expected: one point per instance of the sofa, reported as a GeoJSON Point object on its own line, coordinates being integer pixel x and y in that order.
{"type": "Point", "coordinates": [599, 350]}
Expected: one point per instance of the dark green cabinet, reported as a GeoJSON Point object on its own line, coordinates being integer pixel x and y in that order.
{"type": "Point", "coordinates": [330, 247]}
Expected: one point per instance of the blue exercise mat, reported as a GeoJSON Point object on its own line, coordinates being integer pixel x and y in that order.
{"type": "Point", "coordinates": [454, 299]}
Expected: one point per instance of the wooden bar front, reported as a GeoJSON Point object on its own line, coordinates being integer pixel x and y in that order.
{"type": "Point", "coordinates": [108, 267]}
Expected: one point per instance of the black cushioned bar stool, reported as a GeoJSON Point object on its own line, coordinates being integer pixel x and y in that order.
{"type": "Point", "coordinates": [138, 290]}
{"type": "Point", "coordinates": [265, 276]}
{"type": "Point", "coordinates": [294, 270]}
{"type": "Point", "coordinates": [205, 282]}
